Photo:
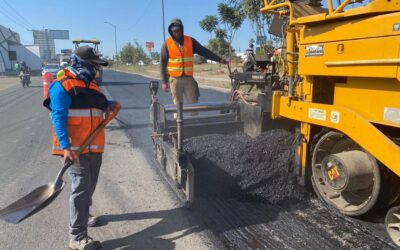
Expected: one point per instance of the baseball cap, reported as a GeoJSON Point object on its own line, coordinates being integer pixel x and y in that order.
{"type": "Point", "coordinates": [87, 53]}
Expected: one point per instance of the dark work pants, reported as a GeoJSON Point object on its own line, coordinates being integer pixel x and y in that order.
{"type": "Point", "coordinates": [84, 174]}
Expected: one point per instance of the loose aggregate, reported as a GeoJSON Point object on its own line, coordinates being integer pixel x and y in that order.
{"type": "Point", "coordinates": [258, 169]}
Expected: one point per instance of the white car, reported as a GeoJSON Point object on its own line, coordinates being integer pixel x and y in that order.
{"type": "Point", "coordinates": [51, 68]}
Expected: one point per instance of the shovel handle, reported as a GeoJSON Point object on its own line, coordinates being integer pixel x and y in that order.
{"type": "Point", "coordinates": [109, 117]}
{"type": "Point", "coordinates": [88, 140]}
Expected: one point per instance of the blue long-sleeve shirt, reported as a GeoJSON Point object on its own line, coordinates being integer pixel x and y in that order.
{"type": "Point", "coordinates": [60, 102]}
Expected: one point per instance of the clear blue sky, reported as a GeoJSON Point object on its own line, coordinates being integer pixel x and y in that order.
{"type": "Point", "coordinates": [139, 20]}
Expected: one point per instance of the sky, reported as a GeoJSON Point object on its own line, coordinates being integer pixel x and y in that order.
{"type": "Point", "coordinates": [136, 20]}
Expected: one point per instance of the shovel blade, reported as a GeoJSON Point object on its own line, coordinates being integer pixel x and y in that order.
{"type": "Point", "coordinates": [31, 203]}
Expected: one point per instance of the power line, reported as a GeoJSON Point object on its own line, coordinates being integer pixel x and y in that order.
{"type": "Point", "coordinates": [143, 13]}
{"type": "Point", "coordinates": [2, 10]}
{"type": "Point", "coordinates": [14, 17]}
{"type": "Point", "coordinates": [18, 14]}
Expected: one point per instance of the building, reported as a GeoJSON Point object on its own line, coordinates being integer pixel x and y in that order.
{"type": "Point", "coordinates": [46, 44]}
{"type": "Point", "coordinates": [12, 51]}
{"type": "Point", "coordinates": [45, 40]}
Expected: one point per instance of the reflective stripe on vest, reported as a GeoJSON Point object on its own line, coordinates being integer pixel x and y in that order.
{"type": "Point", "coordinates": [91, 147]}
{"type": "Point", "coordinates": [85, 113]}
{"type": "Point", "coordinates": [180, 61]}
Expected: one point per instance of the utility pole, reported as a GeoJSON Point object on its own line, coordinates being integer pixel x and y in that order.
{"type": "Point", "coordinates": [163, 19]}
{"type": "Point", "coordinates": [115, 36]}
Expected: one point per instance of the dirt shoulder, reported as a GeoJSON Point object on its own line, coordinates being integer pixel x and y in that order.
{"type": "Point", "coordinates": [207, 75]}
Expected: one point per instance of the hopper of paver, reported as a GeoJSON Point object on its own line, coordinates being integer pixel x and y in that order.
{"type": "Point", "coordinates": [171, 124]}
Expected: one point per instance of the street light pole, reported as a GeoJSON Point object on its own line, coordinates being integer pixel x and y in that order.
{"type": "Point", "coordinates": [115, 36]}
{"type": "Point", "coordinates": [163, 19]}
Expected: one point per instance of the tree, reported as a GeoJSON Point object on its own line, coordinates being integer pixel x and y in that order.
{"type": "Point", "coordinates": [219, 46]}
{"type": "Point", "coordinates": [260, 21]}
{"type": "Point", "coordinates": [209, 24]}
{"type": "Point", "coordinates": [231, 17]}
{"type": "Point", "coordinates": [252, 41]}
{"type": "Point", "coordinates": [220, 34]}
{"type": "Point", "coordinates": [133, 54]}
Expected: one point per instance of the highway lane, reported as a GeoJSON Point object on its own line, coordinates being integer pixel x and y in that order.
{"type": "Point", "coordinates": [137, 208]}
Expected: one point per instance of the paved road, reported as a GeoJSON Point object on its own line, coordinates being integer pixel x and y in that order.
{"type": "Point", "coordinates": [139, 210]}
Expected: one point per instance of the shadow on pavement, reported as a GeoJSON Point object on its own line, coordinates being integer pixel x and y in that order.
{"type": "Point", "coordinates": [170, 227]}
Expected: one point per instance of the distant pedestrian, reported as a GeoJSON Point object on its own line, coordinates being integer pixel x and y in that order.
{"type": "Point", "coordinates": [77, 108]}
{"type": "Point", "coordinates": [17, 67]}
{"type": "Point", "coordinates": [177, 63]}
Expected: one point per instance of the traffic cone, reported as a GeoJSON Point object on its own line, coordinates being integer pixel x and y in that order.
{"type": "Point", "coordinates": [47, 80]}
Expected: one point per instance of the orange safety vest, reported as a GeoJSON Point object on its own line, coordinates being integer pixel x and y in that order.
{"type": "Point", "coordinates": [180, 62]}
{"type": "Point", "coordinates": [85, 113]}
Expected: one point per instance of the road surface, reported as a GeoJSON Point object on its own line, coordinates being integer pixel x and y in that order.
{"type": "Point", "coordinates": [138, 209]}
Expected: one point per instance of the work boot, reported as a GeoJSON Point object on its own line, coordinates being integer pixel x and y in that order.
{"type": "Point", "coordinates": [93, 221]}
{"type": "Point", "coordinates": [86, 243]}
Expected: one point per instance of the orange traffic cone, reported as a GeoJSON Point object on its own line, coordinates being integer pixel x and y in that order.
{"type": "Point", "coordinates": [47, 80]}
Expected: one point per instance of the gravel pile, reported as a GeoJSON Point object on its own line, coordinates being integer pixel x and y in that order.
{"type": "Point", "coordinates": [236, 165]}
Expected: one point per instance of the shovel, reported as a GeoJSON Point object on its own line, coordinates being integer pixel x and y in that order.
{"type": "Point", "coordinates": [44, 195]}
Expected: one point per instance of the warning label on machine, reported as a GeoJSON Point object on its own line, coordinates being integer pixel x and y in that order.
{"type": "Point", "coordinates": [314, 50]}
{"type": "Point", "coordinates": [391, 115]}
{"type": "Point", "coordinates": [317, 114]}
{"type": "Point", "coordinates": [335, 117]}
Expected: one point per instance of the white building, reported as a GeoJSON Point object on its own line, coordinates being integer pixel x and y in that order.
{"type": "Point", "coordinates": [11, 51]}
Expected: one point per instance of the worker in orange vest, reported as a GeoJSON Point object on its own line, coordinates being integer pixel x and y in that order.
{"type": "Point", "coordinates": [77, 108]}
{"type": "Point", "coordinates": [177, 63]}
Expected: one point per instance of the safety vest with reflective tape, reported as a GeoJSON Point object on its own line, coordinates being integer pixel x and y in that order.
{"type": "Point", "coordinates": [180, 62]}
{"type": "Point", "coordinates": [85, 113]}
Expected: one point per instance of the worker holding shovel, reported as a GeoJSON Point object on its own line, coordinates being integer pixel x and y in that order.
{"type": "Point", "coordinates": [77, 109]}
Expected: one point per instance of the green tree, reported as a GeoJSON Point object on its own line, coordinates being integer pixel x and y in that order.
{"type": "Point", "coordinates": [252, 41]}
{"type": "Point", "coordinates": [252, 10]}
{"type": "Point", "coordinates": [133, 53]}
{"type": "Point", "coordinates": [232, 18]}
{"type": "Point", "coordinates": [209, 24]}
{"type": "Point", "coordinates": [220, 34]}
{"type": "Point", "coordinates": [219, 46]}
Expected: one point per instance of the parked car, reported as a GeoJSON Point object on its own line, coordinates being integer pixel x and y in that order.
{"type": "Point", "coordinates": [52, 69]}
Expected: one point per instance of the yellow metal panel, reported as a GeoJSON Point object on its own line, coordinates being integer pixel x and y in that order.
{"type": "Point", "coordinates": [369, 98]}
{"type": "Point", "coordinates": [351, 29]}
{"type": "Point", "coordinates": [345, 120]}
{"type": "Point", "coordinates": [398, 67]}
{"type": "Point", "coordinates": [377, 6]}
{"type": "Point", "coordinates": [322, 62]}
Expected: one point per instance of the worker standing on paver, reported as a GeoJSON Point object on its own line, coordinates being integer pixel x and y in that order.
{"type": "Point", "coordinates": [77, 108]}
{"type": "Point", "coordinates": [177, 63]}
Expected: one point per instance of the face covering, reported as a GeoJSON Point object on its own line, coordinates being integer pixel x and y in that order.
{"type": "Point", "coordinates": [82, 69]}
